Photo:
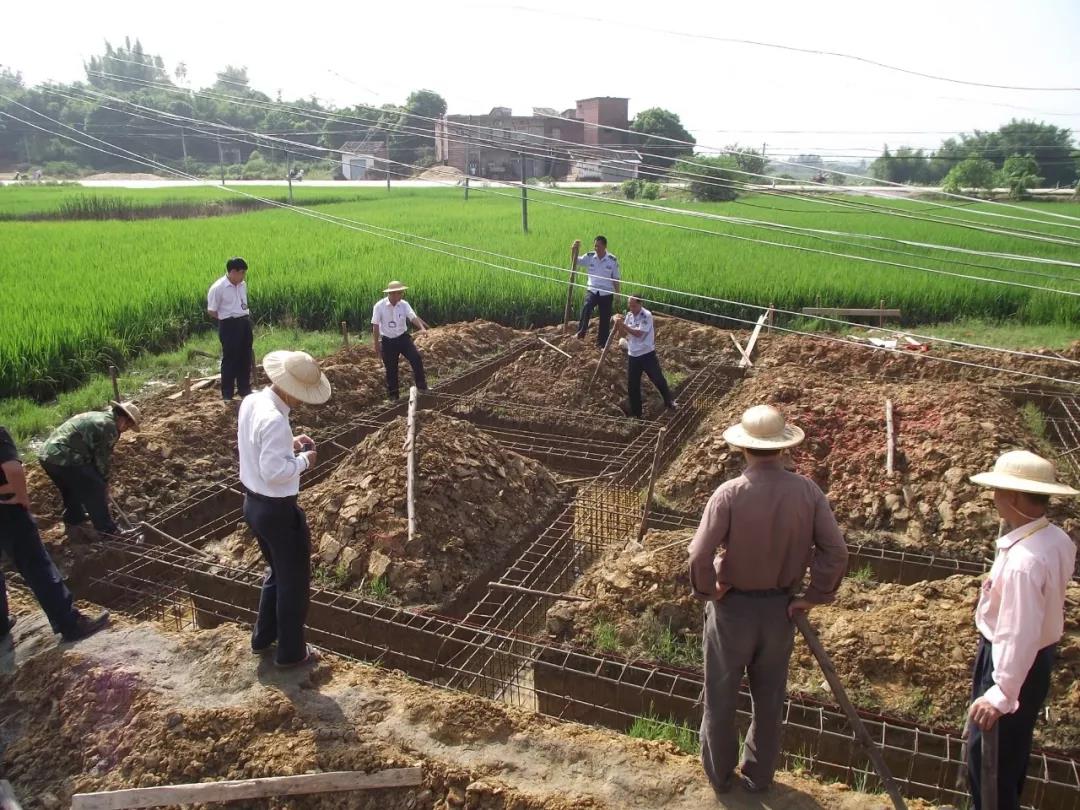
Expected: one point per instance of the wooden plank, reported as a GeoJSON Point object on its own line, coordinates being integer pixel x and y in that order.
{"type": "Point", "coordinates": [746, 359]}
{"type": "Point", "coordinates": [833, 312]}
{"type": "Point", "coordinates": [753, 339]}
{"type": "Point", "coordinates": [7, 796]}
{"type": "Point", "coordinates": [334, 782]}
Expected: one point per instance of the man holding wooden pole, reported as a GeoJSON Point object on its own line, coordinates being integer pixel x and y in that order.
{"type": "Point", "coordinates": [1020, 617]}
{"type": "Point", "coordinates": [603, 271]}
{"type": "Point", "coordinates": [768, 525]}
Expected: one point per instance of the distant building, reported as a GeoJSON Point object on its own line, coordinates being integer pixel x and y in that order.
{"type": "Point", "coordinates": [364, 160]}
{"type": "Point", "coordinates": [573, 144]}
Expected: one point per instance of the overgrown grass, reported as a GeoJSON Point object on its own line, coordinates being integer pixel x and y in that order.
{"type": "Point", "coordinates": [648, 727]}
{"type": "Point", "coordinates": [379, 589]}
{"type": "Point", "coordinates": [606, 637]}
{"type": "Point", "coordinates": [864, 574]}
{"type": "Point", "coordinates": [104, 292]}
{"type": "Point", "coordinates": [1034, 420]}
{"type": "Point", "coordinates": [336, 578]}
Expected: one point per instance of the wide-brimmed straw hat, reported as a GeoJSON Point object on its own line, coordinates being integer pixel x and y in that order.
{"type": "Point", "coordinates": [1022, 471]}
{"type": "Point", "coordinates": [395, 286]}
{"type": "Point", "coordinates": [129, 410]}
{"type": "Point", "coordinates": [298, 375]}
{"type": "Point", "coordinates": [763, 428]}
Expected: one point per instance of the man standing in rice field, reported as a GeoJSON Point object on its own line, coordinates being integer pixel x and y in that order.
{"type": "Point", "coordinates": [227, 303]}
{"type": "Point", "coordinates": [603, 271]}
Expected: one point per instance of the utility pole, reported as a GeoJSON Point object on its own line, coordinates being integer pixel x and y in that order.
{"type": "Point", "coordinates": [221, 160]}
{"type": "Point", "coordinates": [524, 198]}
{"type": "Point", "coordinates": [183, 147]}
{"type": "Point", "coordinates": [388, 162]}
{"type": "Point", "coordinates": [467, 167]}
{"type": "Point", "coordinates": [288, 172]}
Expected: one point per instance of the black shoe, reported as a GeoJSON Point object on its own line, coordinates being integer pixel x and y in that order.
{"type": "Point", "coordinates": [263, 649]}
{"type": "Point", "coordinates": [86, 626]}
{"type": "Point", "coordinates": [750, 786]}
{"type": "Point", "coordinates": [725, 786]}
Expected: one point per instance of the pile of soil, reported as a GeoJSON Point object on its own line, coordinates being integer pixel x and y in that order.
{"type": "Point", "coordinates": [475, 502]}
{"type": "Point", "coordinates": [445, 174]}
{"type": "Point", "coordinates": [944, 433]}
{"type": "Point", "coordinates": [138, 707]}
{"type": "Point", "coordinates": [185, 446]}
{"type": "Point", "coordinates": [906, 651]}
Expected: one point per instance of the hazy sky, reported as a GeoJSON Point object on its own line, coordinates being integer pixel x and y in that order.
{"type": "Point", "coordinates": [483, 54]}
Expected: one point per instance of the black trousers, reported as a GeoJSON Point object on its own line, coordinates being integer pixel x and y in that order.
{"type": "Point", "coordinates": [592, 300]}
{"type": "Point", "coordinates": [392, 349]}
{"type": "Point", "coordinates": [20, 541]}
{"type": "Point", "coordinates": [281, 528]}
{"type": "Point", "coordinates": [650, 364]}
{"type": "Point", "coordinates": [1014, 730]}
{"type": "Point", "coordinates": [84, 491]}
{"type": "Point", "coordinates": [236, 342]}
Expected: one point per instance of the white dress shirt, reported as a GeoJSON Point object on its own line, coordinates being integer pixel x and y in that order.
{"type": "Point", "coordinates": [228, 300]}
{"type": "Point", "coordinates": [392, 319]}
{"type": "Point", "coordinates": [268, 464]}
{"type": "Point", "coordinates": [603, 273]}
{"type": "Point", "coordinates": [637, 346]}
{"type": "Point", "coordinates": [1022, 605]}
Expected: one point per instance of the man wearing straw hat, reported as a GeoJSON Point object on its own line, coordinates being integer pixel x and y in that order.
{"type": "Point", "coordinates": [390, 337]}
{"type": "Point", "coordinates": [768, 525]}
{"type": "Point", "coordinates": [271, 461]}
{"type": "Point", "coordinates": [77, 457]}
{"type": "Point", "coordinates": [1020, 618]}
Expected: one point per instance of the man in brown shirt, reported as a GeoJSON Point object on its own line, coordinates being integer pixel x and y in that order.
{"type": "Point", "coordinates": [769, 526]}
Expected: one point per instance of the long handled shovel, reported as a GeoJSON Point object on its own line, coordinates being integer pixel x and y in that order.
{"type": "Point", "coordinates": [862, 736]}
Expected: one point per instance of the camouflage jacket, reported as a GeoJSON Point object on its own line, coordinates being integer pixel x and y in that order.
{"type": "Point", "coordinates": [84, 439]}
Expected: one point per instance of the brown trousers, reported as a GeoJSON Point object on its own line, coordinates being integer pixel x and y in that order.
{"type": "Point", "coordinates": [751, 635]}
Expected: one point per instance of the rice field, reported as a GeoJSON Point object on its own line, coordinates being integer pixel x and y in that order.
{"type": "Point", "coordinates": [80, 295]}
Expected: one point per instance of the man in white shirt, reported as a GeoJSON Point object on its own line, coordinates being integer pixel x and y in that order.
{"type": "Point", "coordinates": [603, 271]}
{"type": "Point", "coordinates": [1020, 618]}
{"type": "Point", "coordinates": [390, 337]}
{"type": "Point", "coordinates": [271, 461]}
{"type": "Point", "coordinates": [639, 329]}
{"type": "Point", "coordinates": [226, 302]}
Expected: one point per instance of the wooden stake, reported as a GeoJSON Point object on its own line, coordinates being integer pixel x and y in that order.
{"type": "Point", "coordinates": [556, 348]}
{"type": "Point", "coordinates": [745, 357]}
{"type": "Point", "coordinates": [890, 441]}
{"type": "Point", "coordinates": [410, 464]}
{"type": "Point", "coordinates": [652, 484]}
{"type": "Point", "coordinates": [518, 589]}
{"type": "Point", "coordinates": [862, 736]}
{"type": "Point", "coordinates": [570, 287]}
{"type": "Point", "coordinates": [115, 383]}
{"type": "Point", "coordinates": [771, 320]}
{"type": "Point", "coordinates": [187, 386]}
{"type": "Point", "coordinates": [334, 782]}
{"type": "Point", "coordinates": [344, 334]}
{"type": "Point", "coordinates": [989, 767]}
{"type": "Point", "coordinates": [7, 797]}
{"type": "Point", "coordinates": [603, 354]}
{"type": "Point", "coordinates": [881, 316]}
{"type": "Point", "coordinates": [753, 339]}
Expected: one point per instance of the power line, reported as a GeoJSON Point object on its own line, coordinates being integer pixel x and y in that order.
{"type": "Point", "coordinates": [412, 240]}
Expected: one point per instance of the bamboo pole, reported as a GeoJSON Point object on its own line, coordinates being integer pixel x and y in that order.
{"type": "Point", "coordinates": [890, 439]}
{"type": "Point", "coordinates": [534, 592]}
{"type": "Point", "coordinates": [862, 736]}
{"type": "Point", "coordinates": [603, 354]}
{"type": "Point", "coordinates": [570, 288]}
{"type": "Point", "coordinates": [643, 525]}
{"type": "Point", "coordinates": [556, 348]}
{"type": "Point", "coordinates": [410, 464]}
{"type": "Point", "coordinates": [988, 767]}
{"type": "Point", "coordinates": [265, 787]}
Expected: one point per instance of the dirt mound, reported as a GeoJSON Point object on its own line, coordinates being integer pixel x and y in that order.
{"type": "Point", "coordinates": [475, 501]}
{"type": "Point", "coordinates": [442, 174]}
{"type": "Point", "coordinates": [944, 433]}
{"type": "Point", "coordinates": [858, 359]}
{"type": "Point", "coordinates": [906, 651]}
{"type": "Point", "coordinates": [115, 176]}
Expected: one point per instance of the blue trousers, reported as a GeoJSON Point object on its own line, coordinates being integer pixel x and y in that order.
{"type": "Point", "coordinates": [281, 528]}
{"type": "Point", "coordinates": [1014, 730]}
{"type": "Point", "coordinates": [593, 300]}
{"type": "Point", "coordinates": [20, 541]}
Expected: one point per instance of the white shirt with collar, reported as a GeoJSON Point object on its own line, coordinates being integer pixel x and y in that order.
{"type": "Point", "coordinates": [392, 319]}
{"type": "Point", "coordinates": [268, 464]}
{"type": "Point", "coordinates": [603, 273]}
{"type": "Point", "coordinates": [1022, 605]}
{"type": "Point", "coordinates": [638, 346]}
{"type": "Point", "coordinates": [228, 300]}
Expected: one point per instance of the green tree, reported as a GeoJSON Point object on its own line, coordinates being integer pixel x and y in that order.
{"type": "Point", "coordinates": [709, 178]}
{"type": "Point", "coordinates": [971, 174]}
{"type": "Point", "coordinates": [653, 126]}
{"type": "Point", "coordinates": [905, 165]}
{"type": "Point", "coordinates": [750, 161]}
{"type": "Point", "coordinates": [124, 69]}
{"type": "Point", "coordinates": [1020, 173]}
